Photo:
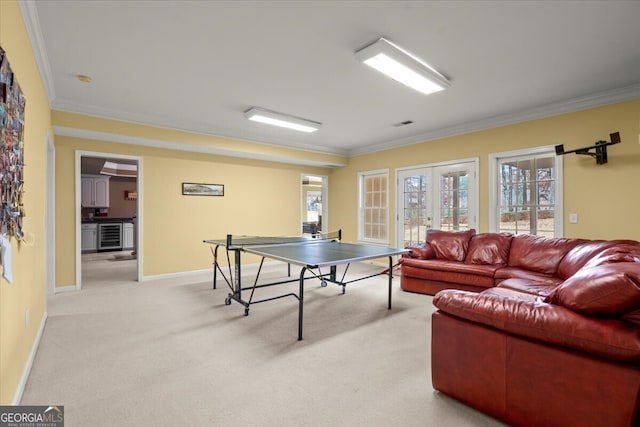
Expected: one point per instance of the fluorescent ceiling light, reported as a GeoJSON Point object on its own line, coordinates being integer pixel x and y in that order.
{"type": "Point", "coordinates": [402, 66]}
{"type": "Point", "coordinates": [283, 120]}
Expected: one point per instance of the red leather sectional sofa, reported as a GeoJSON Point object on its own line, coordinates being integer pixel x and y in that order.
{"type": "Point", "coordinates": [531, 330]}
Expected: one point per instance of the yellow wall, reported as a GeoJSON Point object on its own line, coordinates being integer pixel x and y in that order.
{"type": "Point", "coordinates": [27, 292]}
{"type": "Point", "coordinates": [605, 197]}
{"type": "Point", "coordinates": [260, 198]}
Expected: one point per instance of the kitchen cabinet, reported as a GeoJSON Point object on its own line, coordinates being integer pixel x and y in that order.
{"type": "Point", "coordinates": [128, 236]}
{"type": "Point", "coordinates": [89, 237]}
{"type": "Point", "coordinates": [95, 191]}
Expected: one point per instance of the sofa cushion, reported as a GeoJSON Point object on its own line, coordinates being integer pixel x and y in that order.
{"type": "Point", "coordinates": [607, 289]}
{"type": "Point", "coordinates": [538, 253]}
{"type": "Point", "coordinates": [596, 252]}
{"type": "Point", "coordinates": [423, 251]}
{"type": "Point", "coordinates": [528, 316]}
{"type": "Point", "coordinates": [505, 273]}
{"type": "Point", "coordinates": [532, 287]}
{"type": "Point", "coordinates": [632, 317]}
{"type": "Point", "coordinates": [489, 248]}
{"type": "Point", "coordinates": [450, 245]}
{"type": "Point", "coordinates": [449, 272]}
{"type": "Point", "coordinates": [430, 265]}
{"type": "Point", "coordinates": [622, 252]}
{"type": "Point", "coordinates": [577, 257]}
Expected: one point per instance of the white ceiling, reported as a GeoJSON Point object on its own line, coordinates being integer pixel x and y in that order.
{"type": "Point", "coordinates": [197, 65]}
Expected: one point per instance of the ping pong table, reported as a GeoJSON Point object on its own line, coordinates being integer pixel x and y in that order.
{"type": "Point", "coordinates": [312, 253]}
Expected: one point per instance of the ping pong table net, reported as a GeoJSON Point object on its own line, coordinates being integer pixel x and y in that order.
{"type": "Point", "coordinates": [243, 240]}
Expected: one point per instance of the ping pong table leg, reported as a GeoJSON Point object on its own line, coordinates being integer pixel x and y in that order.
{"type": "Point", "coordinates": [236, 282]}
{"type": "Point", "coordinates": [215, 266]}
{"type": "Point", "coordinates": [390, 280]}
{"type": "Point", "coordinates": [238, 279]}
{"type": "Point", "coordinates": [301, 302]}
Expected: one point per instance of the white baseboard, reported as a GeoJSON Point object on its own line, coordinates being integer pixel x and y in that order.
{"type": "Point", "coordinates": [59, 290]}
{"type": "Point", "coordinates": [177, 275]}
{"type": "Point", "coordinates": [246, 268]}
{"type": "Point", "coordinates": [17, 397]}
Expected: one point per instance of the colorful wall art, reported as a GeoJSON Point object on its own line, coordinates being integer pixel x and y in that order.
{"type": "Point", "coordinates": [12, 103]}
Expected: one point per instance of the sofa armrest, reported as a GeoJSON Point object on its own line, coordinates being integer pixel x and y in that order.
{"type": "Point", "coordinates": [529, 316]}
{"type": "Point", "coordinates": [421, 251]}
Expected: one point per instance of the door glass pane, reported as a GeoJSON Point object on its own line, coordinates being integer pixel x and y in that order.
{"type": "Point", "coordinates": [415, 208]}
{"type": "Point", "coordinates": [454, 201]}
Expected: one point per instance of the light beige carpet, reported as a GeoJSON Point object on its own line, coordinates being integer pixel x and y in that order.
{"type": "Point", "coordinates": [170, 352]}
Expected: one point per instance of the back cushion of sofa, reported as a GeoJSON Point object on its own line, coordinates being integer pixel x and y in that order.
{"type": "Point", "coordinates": [607, 289]}
{"type": "Point", "coordinates": [632, 317]}
{"type": "Point", "coordinates": [628, 251]}
{"type": "Point", "coordinates": [577, 257]}
{"type": "Point", "coordinates": [537, 253]}
{"type": "Point", "coordinates": [489, 248]}
{"type": "Point", "coordinates": [450, 245]}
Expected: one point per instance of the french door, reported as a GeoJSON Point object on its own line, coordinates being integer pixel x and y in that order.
{"type": "Point", "coordinates": [442, 196]}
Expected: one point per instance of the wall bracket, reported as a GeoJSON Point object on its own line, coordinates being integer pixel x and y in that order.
{"type": "Point", "coordinates": [600, 147]}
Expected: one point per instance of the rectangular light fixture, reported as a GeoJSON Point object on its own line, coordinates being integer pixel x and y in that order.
{"type": "Point", "coordinates": [402, 66]}
{"type": "Point", "coordinates": [283, 120]}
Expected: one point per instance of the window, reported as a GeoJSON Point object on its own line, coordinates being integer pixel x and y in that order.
{"type": "Point", "coordinates": [526, 193]}
{"type": "Point", "coordinates": [373, 208]}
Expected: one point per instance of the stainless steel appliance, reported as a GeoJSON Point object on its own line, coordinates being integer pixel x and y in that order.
{"type": "Point", "coordinates": [110, 236]}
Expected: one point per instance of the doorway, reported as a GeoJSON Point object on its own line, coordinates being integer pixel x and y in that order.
{"type": "Point", "coordinates": [313, 197]}
{"type": "Point", "coordinates": [440, 196]}
{"type": "Point", "coordinates": [108, 218]}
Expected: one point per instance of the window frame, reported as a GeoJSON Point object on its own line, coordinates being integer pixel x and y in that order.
{"type": "Point", "coordinates": [524, 154]}
{"type": "Point", "coordinates": [362, 176]}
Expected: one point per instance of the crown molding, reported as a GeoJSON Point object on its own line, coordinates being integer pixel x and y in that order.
{"type": "Point", "coordinates": [600, 99]}
{"type": "Point", "coordinates": [183, 125]}
{"type": "Point", "coordinates": [32, 25]}
{"type": "Point", "coordinates": [182, 146]}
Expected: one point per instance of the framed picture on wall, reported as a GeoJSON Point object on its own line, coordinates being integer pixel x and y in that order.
{"type": "Point", "coordinates": [196, 189]}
